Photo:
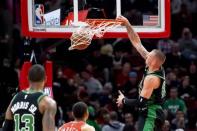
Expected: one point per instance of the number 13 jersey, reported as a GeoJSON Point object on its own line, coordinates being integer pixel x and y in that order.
{"type": "Point", "coordinates": [25, 109]}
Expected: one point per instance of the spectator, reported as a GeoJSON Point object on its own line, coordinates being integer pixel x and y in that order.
{"type": "Point", "coordinates": [106, 95]}
{"type": "Point", "coordinates": [61, 87]}
{"type": "Point", "coordinates": [171, 79]}
{"type": "Point", "coordinates": [103, 116]}
{"type": "Point", "coordinates": [174, 104]}
{"type": "Point", "coordinates": [165, 45]}
{"type": "Point", "coordinates": [130, 88]}
{"type": "Point", "coordinates": [8, 85]}
{"type": "Point", "coordinates": [166, 126]}
{"type": "Point", "coordinates": [83, 95]}
{"type": "Point", "coordinates": [194, 6]}
{"type": "Point", "coordinates": [186, 21]}
{"type": "Point", "coordinates": [174, 58]}
{"type": "Point", "coordinates": [93, 85]}
{"type": "Point", "coordinates": [117, 60]}
{"type": "Point", "coordinates": [187, 91]}
{"type": "Point", "coordinates": [191, 5]}
{"type": "Point", "coordinates": [135, 60]}
{"type": "Point", "coordinates": [123, 76]}
{"type": "Point", "coordinates": [176, 6]}
{"type": "Point", "coordinates": [114, 124]}
{"type": "Point", "coordinates": [179, 121]}
{"type": "Point", "coordinates": [188, 45]}
{"type": "Point", "coordinates": [129, 122]}
{"type": "Point", "coordinates": [6, 24]}
{"type": "Point", "coordinates": [129, 119]}
{"type": "Point", "coordinates": [193, 74]}
{"type": "Point", "coordinates": [106, 61]}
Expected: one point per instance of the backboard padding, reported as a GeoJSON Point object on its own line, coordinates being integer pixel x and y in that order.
{"type": "Point", "coordinates": [29, 30]}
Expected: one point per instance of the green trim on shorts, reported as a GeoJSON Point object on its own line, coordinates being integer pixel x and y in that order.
{"type": "Point", "coordinates": [151, 117]}
{"type": "Point", "coordinates": [152, 110]}
{"type": "Point", "coordinates": [149, 124]}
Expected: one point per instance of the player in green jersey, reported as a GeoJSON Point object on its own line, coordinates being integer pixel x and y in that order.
{"type": "Point", "coordinates": [31, 110]}
{"type": "Point", "coordinates": [151, 88]}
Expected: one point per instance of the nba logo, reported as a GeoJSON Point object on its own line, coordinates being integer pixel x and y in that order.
{"type": "Point", "coordinates": [39, 14]}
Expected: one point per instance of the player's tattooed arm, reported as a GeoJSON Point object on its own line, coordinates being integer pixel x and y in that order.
{"type": "Point", "coordinates": [140, 48]}
{"type": "Point", "coordinates": [48, 120]}
{"type": "Point", "coordinates": [134, 37]}
{"type": "Point", "coordinates": [150, 83]}
{"type": "Point", "coordinates": [136, 42]}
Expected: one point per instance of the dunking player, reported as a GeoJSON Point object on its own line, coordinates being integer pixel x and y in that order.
{"type": "Point", "coordinates": [151, 88]}
{"type": "Point", "coordinates": [31, 110]}
{"type": "Point", "coordinates": [80, 113]}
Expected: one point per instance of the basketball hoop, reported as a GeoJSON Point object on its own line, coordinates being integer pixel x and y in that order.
{"type": "Point", "coordinates": [82, 37]}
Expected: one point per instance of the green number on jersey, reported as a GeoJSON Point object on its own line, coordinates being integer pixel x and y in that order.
{"type": "Point", "coordinates": [28, 119]}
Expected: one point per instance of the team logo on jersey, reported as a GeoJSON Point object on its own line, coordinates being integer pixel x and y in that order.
{"type": "Point", "coordinates": [39, 14]}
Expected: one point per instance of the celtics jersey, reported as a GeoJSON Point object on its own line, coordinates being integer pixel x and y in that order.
{"type": "Point", "coordinates": [158, 95]}
{"type": "Point", "coordinates": [26, 114]}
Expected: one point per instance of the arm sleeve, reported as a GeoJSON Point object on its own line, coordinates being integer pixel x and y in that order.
{"type": "Point", "coordinates": [130, 102]}
{"type": "Point", "coordinates": [140, 103]}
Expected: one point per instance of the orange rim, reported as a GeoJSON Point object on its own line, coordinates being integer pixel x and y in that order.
{"type": "Point", "coordinates": [94, 22]}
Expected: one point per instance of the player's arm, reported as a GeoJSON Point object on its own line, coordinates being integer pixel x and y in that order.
{"type": "Point", "coordinates": [49, 110]}
{"type": "Point", "coordinates": [150, 83]}
{"type": "Point", "coordinates": [87, 127]}
{"type": "Point", "coordinates": [9, 122]}
{"type": "Point", "coordinates": [134, 37]}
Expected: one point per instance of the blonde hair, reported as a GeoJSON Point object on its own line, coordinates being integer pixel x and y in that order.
{"type": "Point", "coordinates": [160, 55]}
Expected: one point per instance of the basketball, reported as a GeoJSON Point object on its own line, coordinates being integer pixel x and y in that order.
{"type": "Point", "coordinates": [80, 40]}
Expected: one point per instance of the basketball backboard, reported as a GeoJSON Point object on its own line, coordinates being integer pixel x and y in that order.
{"type": "Point", "coordinates": [52, 19]}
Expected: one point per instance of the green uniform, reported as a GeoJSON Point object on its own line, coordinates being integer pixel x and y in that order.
{"type": "Point", "coordinates": [152, 118]}
{"type": "Point", "coordinates": [174, 105]}
{"type": "Point", "coordinates": [25, 110]}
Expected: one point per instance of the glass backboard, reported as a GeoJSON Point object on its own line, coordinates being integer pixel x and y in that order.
{"type": "Point", "coordinates": [54, 18]}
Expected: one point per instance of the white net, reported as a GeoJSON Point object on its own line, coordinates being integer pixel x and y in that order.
{"type": "Point", "coordinates": [82, 37]}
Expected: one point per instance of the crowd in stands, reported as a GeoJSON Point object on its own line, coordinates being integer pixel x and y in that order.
{"type": "Point", "coordinates": [96, 74]}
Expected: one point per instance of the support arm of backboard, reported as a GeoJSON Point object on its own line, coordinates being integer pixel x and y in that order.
{"type": "Point", "coordinates": [75, 3]}
{"type": "Point", "coordinates": [118, 8]}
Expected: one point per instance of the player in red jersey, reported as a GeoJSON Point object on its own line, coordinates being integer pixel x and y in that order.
{"type": "Point", "coordinates": [80, 113]}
